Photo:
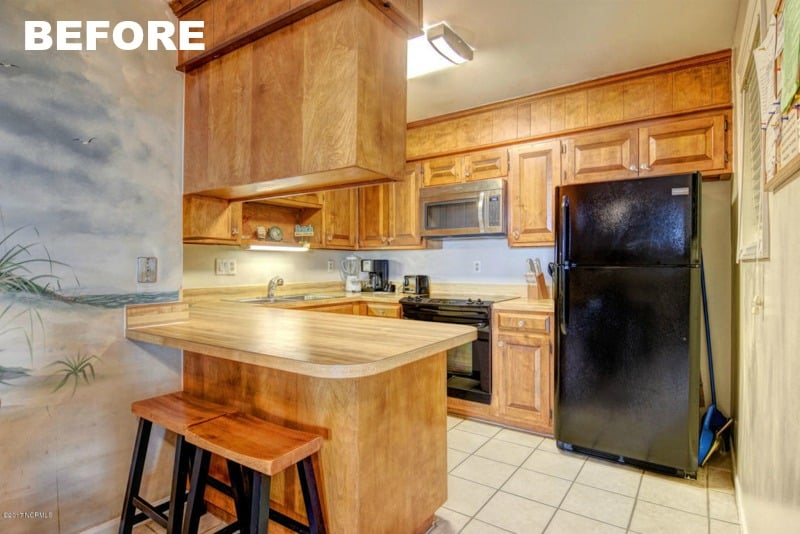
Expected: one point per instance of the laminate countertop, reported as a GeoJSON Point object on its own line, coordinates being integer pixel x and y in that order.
{"type": "Point", "coordinates": [318, 344]}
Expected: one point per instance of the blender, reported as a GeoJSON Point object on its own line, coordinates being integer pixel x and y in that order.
{"type": "Point", "coordinates": [350, 269]}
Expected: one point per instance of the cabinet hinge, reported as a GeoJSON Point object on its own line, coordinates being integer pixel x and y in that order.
{"type": "Point", "coordinates": [551, 414]}
{"type": "Point", "coordinates": [726, 124]}
{"type": "Point", "coordinates": [564, 176]}
{"type": "Point", "coordinates": [563, 148]}
{"type": "Point", "coordinates": [508, 161]}
{"type": "Point", "coordinates": [726, 156]}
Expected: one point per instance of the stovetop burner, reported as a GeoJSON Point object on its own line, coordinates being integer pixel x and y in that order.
{"type": "Point", "coordinates": [449, 300]}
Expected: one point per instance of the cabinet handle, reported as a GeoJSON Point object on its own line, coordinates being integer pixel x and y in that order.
{"type": "Point", "coordinates": [383, 239]}
{"type": "Point", "coordinates": [521, 323]}
{"type": "Point", "coordinates": [501, 344]}
{"type": "Point", "coordinates": [235, 231]}
{"type": "Point", "coordinates": [515, 234]}
{"type": "Point", "coordinates": [644, 167]}
{"type": "Point", "coordinates": [633, 168]}
{"type": "Point", "coordinates": [389, 240]}
{"type": "Point", "coordinates": [329, 237]}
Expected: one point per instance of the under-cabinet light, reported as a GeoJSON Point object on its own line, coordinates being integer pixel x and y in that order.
{"type": "Point", "coordinates": [280, 248]}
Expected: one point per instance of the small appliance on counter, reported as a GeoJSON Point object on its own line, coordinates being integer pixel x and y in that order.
{"type": "Point", "coordinates": [416, 284]}
{"type": "Point", "coordinates": [350, 270]}
{"type": "Point", "coordinates": [378, 274]}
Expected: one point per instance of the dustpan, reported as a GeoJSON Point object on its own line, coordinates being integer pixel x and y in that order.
{"type": "Point", "coordinates": [714, 422]}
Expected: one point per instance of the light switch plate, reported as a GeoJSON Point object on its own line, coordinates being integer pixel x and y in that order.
{"type": "Point", "coordinates": [146, 269]}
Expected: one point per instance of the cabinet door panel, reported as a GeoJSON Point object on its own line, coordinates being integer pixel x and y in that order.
{"type": "Point", "coordinates": [211, 220]}
{"type": "Point", "coordinates": [440, 171]}
{"type": "Point", "coordinates": [339, 212]}
{"type": "Point", "coordinates": [405, 209]}
{"type": "Point", "coordinates": [485, 165]}
{"type": "Point", "coordinates": [535, 171]}
{"type": "Point", "coordinates": [374, 215]}
{"type": "Point", "coordinates": [683, 146]}
{"type": "Point", "coordinates": [602, 156]}
{"type": "Point", "coordinates": [526, 376]}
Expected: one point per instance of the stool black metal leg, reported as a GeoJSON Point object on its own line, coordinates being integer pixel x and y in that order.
{"type": "Point", "coordinates": [308, 483]}
{"type": "Point", "coordinates": [195, 505]}
{"type": "Point", "coordinates": [239, 495]}
{"type": "Point", "coordinates": [177, 495]}
{"type": "Point", "coordinates": [135, 475]}
{"type": "Point", "coordinates": [259, 503]}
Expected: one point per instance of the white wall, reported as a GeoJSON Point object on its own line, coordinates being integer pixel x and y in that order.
{"type": "Point", "coordinates": [767, 428]}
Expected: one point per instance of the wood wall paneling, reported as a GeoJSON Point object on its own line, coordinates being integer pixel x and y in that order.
{"type": "Point", "coordinates": [604, 104]}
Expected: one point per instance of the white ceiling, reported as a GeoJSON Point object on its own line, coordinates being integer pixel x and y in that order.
{"type": "Point", "coordinates": [527, 46]}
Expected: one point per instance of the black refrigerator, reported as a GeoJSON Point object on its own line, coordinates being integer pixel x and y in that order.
{"type": "Point", "coordinates": [628, 309]}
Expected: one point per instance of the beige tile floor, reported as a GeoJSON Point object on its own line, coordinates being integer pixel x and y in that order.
{"type": "Point", "coordinates": [502, 480]}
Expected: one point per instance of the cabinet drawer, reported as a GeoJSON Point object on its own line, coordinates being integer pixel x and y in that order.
{"type": "Point", "coordinates": [377, 309]}
{"type": "Point", "coordinates": [523, 322]}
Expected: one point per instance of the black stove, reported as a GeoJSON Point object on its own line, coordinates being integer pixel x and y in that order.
{"type": "Point", "coordinates": [454, 301]}
{"type": "Point", "coordinates": [469, 367]}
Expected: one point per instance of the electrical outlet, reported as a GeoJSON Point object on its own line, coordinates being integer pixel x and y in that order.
{"type": "Point", "coordinates": [146, 269]}
{"type": "Point", "coordinates": [330, 266]}
{"type": "Point", "coordinates": [476, 266]}
{"type": "Point", "coordinates": [224, 267]}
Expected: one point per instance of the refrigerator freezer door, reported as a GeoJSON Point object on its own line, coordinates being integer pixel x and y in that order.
{"type": "Point", "coordinates": [627, 370]}
{"type": "Point", "coordinates": [649, 221]}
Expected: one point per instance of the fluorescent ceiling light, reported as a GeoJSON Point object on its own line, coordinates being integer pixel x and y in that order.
{"type": "Point", "coordinates": [280, 248]}
{"type": "Point", "coordinates": [439, 48]}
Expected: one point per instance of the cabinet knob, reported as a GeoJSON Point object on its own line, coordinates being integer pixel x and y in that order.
{"type": "Point", "coordinates": [389, 240]}
{"type": "Point", "coordinates": [234, 231]}
{"type": "Point", "coordinates": [383, 239]}
{"type": "Point", "coordinates": [644, 167]}
{"type": "Point", "coordinates": [515, 234]}
{"type": "Point", "coordinates": [521, 323]}
{"type": "Point", "coordinates": [501, 344]}
{"type": "Point", "coordinates": [633, 168]}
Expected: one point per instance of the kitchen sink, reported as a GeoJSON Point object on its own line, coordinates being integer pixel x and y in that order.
{"type": "Point", "coordinates": [285, 298]}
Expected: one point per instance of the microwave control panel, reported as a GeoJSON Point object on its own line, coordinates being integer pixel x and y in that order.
{"type": "Point", "coordinates": [495, 211]}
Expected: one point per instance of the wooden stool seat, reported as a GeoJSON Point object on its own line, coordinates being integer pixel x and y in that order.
{"type": "Point", "coordinates": [260, 445]}
{"type": "Point", "coordinates": [178, 411]}
{"type": "Point", "coordinates": [175, 412]}
{"type": "Point", "coordinates": [260, 449]}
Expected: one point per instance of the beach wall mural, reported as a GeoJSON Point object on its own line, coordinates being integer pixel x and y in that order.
{"type": "Point", "coordinates": [90, 180]}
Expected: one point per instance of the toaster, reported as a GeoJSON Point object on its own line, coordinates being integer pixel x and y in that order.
{"type": "Point", "coordinates": [416, 284]}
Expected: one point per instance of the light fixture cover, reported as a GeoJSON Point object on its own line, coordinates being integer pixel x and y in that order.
{"type": "Point", "coordinates": [304, 247]}
{"type": "Point", "coordinates": [448, 43]}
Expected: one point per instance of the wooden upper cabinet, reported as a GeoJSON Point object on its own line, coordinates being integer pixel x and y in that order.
{"type": "Point", "coordinates": [319, 104]}
{"type": "Point", "coordinates": [339, 219]}
{"type": "Point", "coordinates": [388, 214]}
{"type": "Point", "coordinates": [481, 165]}
{"type": "Point", "coordinates": [374, 215]}
{"type": "Point", "coordinates": [535, 171]}
{"type": "Point", "coordinates": [601, 156]}
{"type": "Point", "coordinates": [697, 144]}
{"type": "Point", "coordinates": [697, 84]}
{"type": "Point", "coordinates": [405, 13]}
{"type": "Point", "coordinates": [209, 220]}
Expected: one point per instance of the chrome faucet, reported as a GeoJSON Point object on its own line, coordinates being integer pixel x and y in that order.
{"type": "Point", "coordinates": [273, 283]}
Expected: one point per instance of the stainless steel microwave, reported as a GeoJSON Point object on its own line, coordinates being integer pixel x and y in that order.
{"type": "Point", "coordinates": [464, 210]}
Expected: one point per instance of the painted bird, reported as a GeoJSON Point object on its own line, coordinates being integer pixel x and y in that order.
{"type": "Point", "coordinates": [84, 141]}
{"type": "Point", "coordinates": [8, 65]}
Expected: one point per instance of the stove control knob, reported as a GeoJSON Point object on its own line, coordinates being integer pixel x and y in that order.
{"type": "Point", "coordinates": [469, 300]}
{"type": "Point", "coordinates": [479, 301]}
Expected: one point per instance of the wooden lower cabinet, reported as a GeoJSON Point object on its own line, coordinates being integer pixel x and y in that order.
{"type": "Point", "coordinates": [380, 309]}
{"type": "Point", "coordinates": [348, 308]}
{"type": "Point", "coordinates": [535, 171]}
{"type": "Point", "coordinates": [522, 374]}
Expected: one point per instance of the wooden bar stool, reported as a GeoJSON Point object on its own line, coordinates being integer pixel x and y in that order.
{"type": "Point", "coordinates": [175, 412]}
{"type": "Point", "coordinates": [261, 449]}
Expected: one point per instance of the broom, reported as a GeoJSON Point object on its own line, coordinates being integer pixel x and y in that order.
{"type": "Point", "coordinates": [714, 423]}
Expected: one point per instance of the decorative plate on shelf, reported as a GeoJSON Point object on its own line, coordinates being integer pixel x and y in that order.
{"type": "Point", "coordinates": [275, 233]}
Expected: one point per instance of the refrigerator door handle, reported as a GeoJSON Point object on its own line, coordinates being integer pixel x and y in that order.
{"type": "Point", "coordinates": [566, 237]}
{"type": "Point", "coordinates": [563, 298]}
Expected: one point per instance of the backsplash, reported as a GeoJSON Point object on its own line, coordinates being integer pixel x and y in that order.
{"type": "Point", "coordinates": [453, 263]}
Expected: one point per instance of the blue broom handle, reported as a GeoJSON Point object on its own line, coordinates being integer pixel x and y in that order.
{"type": "Point", "coordinates": [708, 329]}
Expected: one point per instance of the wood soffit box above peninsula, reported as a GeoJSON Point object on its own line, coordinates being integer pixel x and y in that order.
{"type": "Point", "coordinates": [295, 97]}
{"type": "Point", "coordinates": [675, 89]}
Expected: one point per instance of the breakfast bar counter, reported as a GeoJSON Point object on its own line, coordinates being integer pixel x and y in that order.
{"type": "Point", "coordinates": [373, 388]}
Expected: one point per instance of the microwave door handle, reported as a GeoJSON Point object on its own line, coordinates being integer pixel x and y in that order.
{"type": "Point", "coordinates": [481, 215]}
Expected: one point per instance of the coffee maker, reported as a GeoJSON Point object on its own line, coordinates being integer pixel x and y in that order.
{"type": "Point", "coordinates": [378, 273]}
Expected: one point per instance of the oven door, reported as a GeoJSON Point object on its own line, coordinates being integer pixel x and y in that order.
{"type": "Point", "coordinates": [469, 369]}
